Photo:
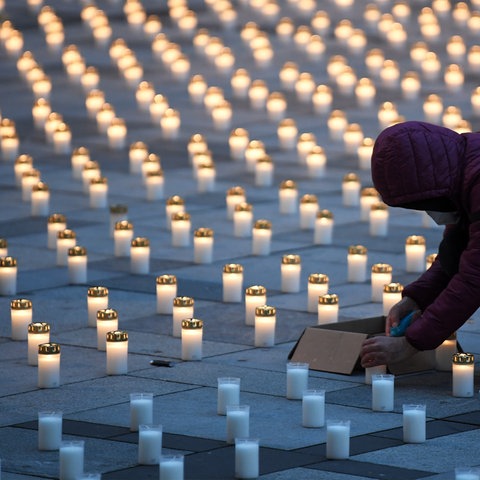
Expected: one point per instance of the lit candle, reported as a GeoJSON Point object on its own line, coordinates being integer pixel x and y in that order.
{"type": "Point", "coordinates": [117, 352]}
{"type": "Point", "coordinates": [290, 273]}
{"type": "Point", "coordinates": [117, 133]}
{"type": "Point", "coordinates": [77, 265]}
{"type": "Point", "coordinates": [144, 95]}
{"type": "Point", "coordinates": [235, 195]}
{"type": "Point", "coordinates": [381, 275]}
{"type": "Point", "coordinates": [368, 197]}
{"type": "Point", "coordinates": [306, 142]}
{"type": "Point", "coordinates": [90, 171]}
{"type": "Point", "coordinates": [203, 245]}
{"type": "Point", "coordinates": [444, 354]}
{"type": "Point", "coordinates": [172, 467]}
{"type": "Point", "coordinates": [414, 423]}
{"type": "Point", "coordinates": [377, 370]}
{"type": "Point", "coordinates": [9, 146]}
{"type": "Point", "coordinates": [357, 263]}
{"type": "Point", "coordinates": [149, 444]}
{"type": "Point", "coordinates": [287, 132]}
{"type": "Point", "coordinates": [242, 220]}
{"type": "Point", "coordinates": [238, 422]}
{"type": "Point", "coordinates": [3, 247]}
{"type": "Point", "coordinates": [415, 247]}
{"type": "Point", "coordinates": [351, 190]}
{"type": "Point", "coordinates": [240, 82]}
{"type": "Point", "coordinates": [433, 108]}
{"type": "Point", "coordinates": [327, 308]}
{"type": "Point", "coordinates": [264, 171]}
{"type": "Point", "coordinates": [8, 275]}
{"type": "Point", "coordinates": [20, 317]}
{"type": "Point", "coordinates": [181, 226]}
{"type": "Point", "coordinates": [71, 459]}
{"type": "Point", "coordinates": [206, 174]}
{"type": "Point", "coordinates": [297, 380]}
{"type": "Point", "coordinates": [192, 333]}
{"type": "Point", "coordinates": [238, 142]}
{"type": "Point", "coordinates": [141, 410]}
{"type": "Point", "coordinates": [261, 237]}
{"type": "Point", "coordinates": [323, 229]}
{"type": "Point", "coordinates": [29, 179]}
{"type": "Point", "coordinates": [387, 114]}
{"type": "Point", "coordinates": [392, 294]}
{"type": "Point", "coordinates": [246, 458]}
{"type": "Point", "coordinates": [151, 163]}
{"type": "Point", "coordinates": [304, 87]}
{"type": "Point", "coordinates": [316, 161]}
{"type": "Point", "coordinates": [93, 102]}
{"type": "Point", "coordinates": [140, 256]}
{"type": "Point", "coordinates": [411, 85]}
{"type": "Point", "coordinates": [313, 408]}
{"type": "Point", "coordinates": [62, 138]}
{"type": "Point", "coordinates": [338, 439]}
{"type": "Point", "coordinates": [463, 365]}
{"type": "Point", "coordinates": [48, 365]}
{"type": "Point", "coordinates": [318, 284]}
{"type": "Point", "coordinates": [265, 321]}
{"type": "Point", "coordinates": [154, 183]}
{"type": "Point", "coordinates": [107, 321]}
{"type": "Point", "coordinates": [222, 116]}
{"type": "Point", "coordinates": [173, 205]}
{"type": "Point", "coordinates": [288, 76]}
{"type": "Point", "coordinates": [170, 123]}
{"type": "Point", "coordinates": [258, 94]}
{"type": "Point", "coordinates": [23, 163]}
{"type": "Point", "coordinates": [158, 107]}
{"type": "Point", "coordinates": [382, 392]}
{"type": "Point", "coordinates": [232, 279]}
{"type": "Point", "coordinates": [104, 117]}
{"type": "Point", "coordinates": [255, 150]}
{"type": "Point", "coordinates": [288, 197]}
{"type": "Point", "coordinates": [255, 296]}
{"type": "Point", "coordinates": [80, 156]}
{"type": "Point", "coordinates": [337, 124]}
{"type": "Point", "coordinates": [122, 237]}
{"type": "Point", "coordinates": [365, 92]}
{"type": "Point", "coordinates": [352, 138]}
{"type": "Point", "coordinates": [322, 99]}
{"type": "Point", "coordinates": [166, 291]}
{"type": "Point", "coordinates": [97, 299]}
{"type": "Point", "coordinates": [308, 211]}
{"type": "Point", "coordinates": [90, 79]}
{"type": "Point", "coordinates": [37, 334]}
{"type": "Point", "coordinates": [228, 393]}
{"type": "Point", "coordinates": [431, 66]}
{"type": "Point", "coordinates": [137, 154]}
{"type": "Point", "coordinates": [66, 239]}
{"type": "Point", "coordinates": [390, 74]}
{"type": "Point", "coordinates": [98, 192]}
{"type": "Point", "coordinates": [182, 308]}
{"type": "Point", "coordinates": [40, 111]}
{"type": "Point", "coordinates": [118, 212]}
{"type": "Point", "coordinates": [378, 226]}
{"type": "Point", "coordinates": [276, 106]}
{"type": "Point", "coordinates": [49, 430]}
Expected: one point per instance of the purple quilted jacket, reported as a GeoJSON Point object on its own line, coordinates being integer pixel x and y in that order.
{"type": "Point", "coordinates": [426, 167]}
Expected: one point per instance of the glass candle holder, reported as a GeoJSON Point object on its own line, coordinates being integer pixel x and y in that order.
{"type": "Point", "coordinates": [91, 170]}
{"type": "Point", "coordinates": [37, 334]}
{"type": "Point", "coordinates": [141, 410]}
{"type": "Point", "coordinates": [238, 422]}
{"type": "Point", "coordinates": [383, 393]}
{"type": "Point", "coordinates": [107, 321]}
{"type": "Point", "coordinates": [357, 263]}
{"type": "Point", "coordinates": [172, 467]}
{"type": "Point", "coordinates": [318, 284]}
{"type": "Point", "coordinates": [182, 308]}
{"type": "Point", "coordinates": [463, 365]}
{"type": "Point", "coordinates": [313, 408]}
{"type": "Point", "coordinates": [20, 317]}
{"type": "Point", "coordinates": [414, 423]}
{"type": "Point", "coordinates": [71, 459]}
{"type": "Point", "coordinates": [203, 245]}
{"type": "Point", "coordinates": [140, 256]}
{"type": "Point", "coordinates": [308, 211]}
{"type": "Point", "coordinates": [291, 273]}
{"type": "Point", "coordinates": [392, 293]}
{"type": "Point", "coordinates": [181, 226]}
{"type": "Point", "coordinates": [381, 275]}
{"type": "Point", "coordinates": [77, 265]}
{"type": "Point", "coordinates": [337, 124]}
{"type": "Point", "coordinates": [48, 365]}
{"type": "Point", "coordinates": [228, 393]}
{"type": "Point", "coordinates": [247, 454]}
{"type": "Point", "coordinates": [117, 352]}
{"type": "Point", "coordinates": [265, 322]}
{"type": "Point", "coordinates": [328, 305]}
{"type": "Point", "coordinates": [166, 291]}
{"type": "Point", "coordinates": [415, 249]}
{"type": "Point", "coordinates": [232, 280]}
{"type": "Point", "coordinates": [149, 444]}
{"type": "Point", "coordinates": [192, 334]}
{"type": "Point", "coordinates": [297, 380]}
{"type": "Point", "coordinates": [288, 76]}
{"type": "Point", "coordinates": [338, 439]}
{"type": "Point", "coordinates": [323, 229]}
{"type": "Point", "coordinates": [49, 430]}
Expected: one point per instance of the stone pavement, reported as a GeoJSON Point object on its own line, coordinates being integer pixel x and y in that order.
{"type": "Point", "coordinates": [95, 406]}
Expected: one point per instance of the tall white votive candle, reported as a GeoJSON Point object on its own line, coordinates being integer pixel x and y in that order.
{"type": "Point", "coordinates": [98, 192]}
{"type": "Point", "coordinates": [20, 317]}
{"type": "Point", "coordinates": [261, 237]}
{"type": "Point", "coordinates": [140, 256]}
{"type": "Point", "coordinates": [8, 275]}
{"type": "Point", "coordinates": [203, 245]}
{"type": "Point", "coordinates": [392, 293]}
{"type": "Point", "coordinates": [351, 190]}
{"type": "Point", "coordinates": [313, 408]}
{"type": "Point", "coordinates": [66, 239]}
{"type": "Point", "coordinates": [288, 197]}
{"type": "Point", "coordinates": [117, 352]}
{"type": "Point", "coordinates": [383, 392]}
{"type": "Point", "coordinates": [255, 296]}
{"type": "Point", "coordinates": [291, 270]}
{"type": "Point", "coordinates": [232, 279]}
{"type": "Point", "coordinates": [378, 220]}
{"type": "Point", "coordinates": [415, 249]}
{"type": "Point", "coordinates": [228, 393]}
{"type": "Point", "coordinates": [235, 195]}
{"type": "Point", "coordinates": [38, 333]}
{"type": "Point", "coordinates": [181, 226]}
{"type": "Point", "coordinates": [49, 430]}
{"type": "Point", "coordinates": [122, 238]}
{"type": "Point", "coordinates": [182, 309]}
{"type": "Point", "coordinates": [97, 299]}
{"type": "Point", "coordinates": [171, 467]}
{"type": "Point", "coordinates": [242, 220]}
{"type": "Point", "coordinates": [149, 444]}
{"type": "Point", "coordinates": [40, 198]}
{"type": "Point", "coordinates": [141, 410]}
{"type": "Point", "coordinates": [246, 458]}
{"type": "Point", "coordinates": [48, 365]}
{"type": "Point", "coordinates": [297, 380]}
{"type": "Point", "coordinates": [265, 322]}
{"type": "Point", "coordinates": [77, 265]}
{"type": "Point", "coordinates": [308, 211]}
{"type": "Point", "coordinates": [192, 335]}
{"type": "Point", "coordinates": [323, 229]}
{"type": "Point", "coordinates": [327, 308]}
{"type": "Point", "coordinates": [238, 422]}
{"type": "Point", "coordinates": [338, 439]}
{"type": "Point", "coordinates": [71, 459]}
{"type": "Point", "coordinates": [317, 286]}
{"type": "Point", "coordinates": [107, 321]}
{"type": "Point", "coordinates": [166, 289]}
{"type": "Point", "coordinates": [56, 223]}
{"type": "Point", "coordinates": [463, 374]}
{"type": "Point", "coordinates": [381, 275]}
{"type": "Point", "coordinates": [414, 423]}
{"type": "Point", "coordinates": [357, 264]}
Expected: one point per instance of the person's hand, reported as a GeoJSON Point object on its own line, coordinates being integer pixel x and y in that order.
{"type": "Point", "coordinates": [383, 350]}
{"type": "Point", "coordinates": [398, 311]}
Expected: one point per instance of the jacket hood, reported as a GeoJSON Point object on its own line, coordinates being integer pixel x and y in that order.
{"type": "Point", "coordinates": [419, 165]}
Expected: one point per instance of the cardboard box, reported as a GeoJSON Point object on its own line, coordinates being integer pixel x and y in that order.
{"type": "Point", "coordinates": [335, 347]}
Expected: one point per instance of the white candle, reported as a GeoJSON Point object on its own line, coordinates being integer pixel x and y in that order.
{"type": "Point", "coordinates": [3, 247]}
{"type": "Point", "coordinates": [117, 352]}
{"type": "Point", "coordinates": [414, 423]}
{"type": "Point", "coordinates": [308, 211]}
{"type": "Point", "coordinates": [255, 296]}
{"type": "Point", "coordinates": [122, 237]}
{"type": "Point", "coordinates": [8, 275]}
{"type": "Point", "coordinates": [351, 190]}
{"type": "Point", "coordinates": [291, 270]}
{"type": "Point", "coordinates": [9, 146]}
{"type": "Point", "coordinates": [182, 309]}
{"type": "Point", "coordinates": [29, 179]}
{"type": "Point", "coordinates": [381, 275]}
{"type": "Point", "coordinates": [392, 294]}
{"type": "Point", "coordinates": [317, 286]}
{"type": "Point", "coordinates": [98, 192]}
{"type": "Point", "coordinates": [322, 99]}
{"type": "Point", "coordinates": [264, 172]}
{"type": "Point", "coordinates": [338, 439]}
{"type": "Point", "coordinates": [49, 430]}
{"type": "Point", "coordinates": [323, 229]}
{"type": "Point", "coordinates": [305, 144]}
{"type": "Point", "coordinates": [444, 354]}
{"type": "Point", "coordinates": [40, 198]}
{"type": "Point", "coordinates": [265, 321]}
{"type": "Point", "coordinates": [415, 248]}
{"type": "Point", "coordinates": [313, 408]}
{"type": "Point", "coordinates": [297, 380]}
{"type": "Point", "coordinates": [97, 299]}
{"type": "Point", "coordinates": [261, 237]}
{"type": "Point", "coordinates": [242, 220]}
{"type": "Point", "coordinates": [357, 263]}
{"type": "Point", "coordinates": [20, 317]}
{"type": "Point", "coordinates": [192, 333]}
{"type": "Point", "coordinates": [238, 142]}
{"type": "Point", "coordinates": [66, 239]}
{"type": "Point", "coordinates": [276, 106]}
{"type": "Point", "coordinates": [166, 290]}
{"type": "Point", "coordinates": [91, 170]}
{"type": "Point", "coordinates": [327, 308]}
{"type": "Point", "coordinates": [171, 467]}
{"type": "Point", "coordinates": [364, 153]}
{"type": "Point", "coordinates": [170, 123]}
{"type": "Point", "coordinates": [71, 459]}
{"type": "Point", "coordinates": [77, 265]}
{"type": "Point", "coordinates": [228, 393]}
{"type": "Point", "coordinates": [23, 163]}
{"type": "Point", "coordinates": [203, 245]}
{"type": "Point", "coordinates": [238, 422]}
{"type": "Point", "coordinates": [287, 133]}
{"type": "Point", "coordinates": [254, 151]}
{"type": "Point", "coordinates": [462, 375]}
{"type": "Point", "coordinates": [140, 256]}
{"type": "Point", "coordinates": [206, 174]}
{"type": "Point", "coordinates": [382, 392]}
{"type": "Point", "coordinates": [154, 182]}
{"type": "Point", "coordinates": [235, 195]}
{"type": "Point", "coordinates": [337, 124]}
{"type": "Point", "coordinates": [378, 226]}
{"type": "Point", "coordinates": [107, 321]}
{"type": "Point", "coordinates": [40, 112]}
{"type": "Point", "coordinates": [141, 410]}
{"type": "Point", "coordinates": [288, 197]}
{"type": "Point", "coordinates": [232, 280]}
{"type": "Point", "coordinates": [246, 458]}
{"type": "Point", "coordinates": [149, 444]}
{"type": "Point", "coordinates": [62, 138]}
{"type": "Point", "coordinates": [94, 102]}
{"type": "Point", "coordinates": [181, 226]}
{"type": "Point", "coordinates": [56, 223]}
{"type": "Point", "coordinates": [37, 334]}
{"type": "Point", "coordinates": [377, 370]}
{"type": "Point", "coordinates": [48, 365]}
{"type": "Point", "coordinates": [137, 154]}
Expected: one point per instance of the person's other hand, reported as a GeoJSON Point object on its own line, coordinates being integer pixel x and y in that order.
{"type": "Point", "coordinates": [383, 350]}
{"type": "Point", "coordinates": [398, 311]}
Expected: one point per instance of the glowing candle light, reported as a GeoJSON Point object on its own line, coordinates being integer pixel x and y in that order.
{"type": "Point", "coordinates": [49, 430]}
{"type": "Point", "coordinates": [337, 123]}
{"type": "Point", "coordinates": [288, 76]}
{"type": "Point", "coordinates": [240, 83]}
{"type": "Point", "coordinates": [9, 146]}
{"type": "Point", "coordinates": [37, 334]}
{"type": "Point", "coordinates": [116, 346]}
{"type": "Point", "coordinates": [390, 74]}
{"type": "Point", "coordinates": [444, 354]}
{"type": "Point", "coordinates": [291, 269]}
{"type": "Point", "coordinates": [318, 284]}
{"type": "Point", "coordinates": [255, 296]}
{"type": "Point", "coordinates": [181, 226]}
{"type": "Point", "coordinates": [90, 79]}
{"type": "Point", "coordinates": [288, 197]}
{"type": "Point", "coordinates": [222, 116]}
{"type": "Point", "coordinates": [346, 80]}
{"type": "Point", "coordinates": [287, 132]}
{"type": "Point", "coordinates": [305, 143]}
{"type": "Point", "coordinates": [107, 321]}
{"type": "Point", "coordinates": [304, 87]}
{"type": "Point", "coordinates": [261, 237]}
{"type": "Point", "coordinates": [232, 279]}
{"type": "Point", "coordinates": [42, 87]}
{"type": "Point", "coordinates": [97, 299]}
{"type": "Point", "coordinates": [174, 204]}
{"type": "Point", "coordinates": [94, 101]}
{"type": "Point", "coordinates": [302, 36]}
{"type": "Point", "coordinates": [166, 291]}
{"type": "Point", "coordinates": [26, 62]}
{"type": "Point", "coordinates": [365, 92]}
{"type": "Point", "coordinates": [323, 229]}
{"type": "Point", "coordinates": [327, 311]}
{"type": "Point", "coordinates": [140, 255]}
{"type": "Point", "coordinates": [430, 259]}
{"type": "Point", "coordinates": [20, 318]}
{"type": "Point", "coordinates": [264, 171]}
{"type": "Point", "coordinates": [77, 265]}
{"type": "Point", "coordinates": [242, 219]}
{"type": "Point", "coordinates": [203, 245]}
{"type": "Point", "coordinates": [117, 133]}
{"type": "Point", "coordinates": [265, 322]}
{"type": "Point", "coordinates": [80, 156]}
{"type": "Point", "coordinates": [322, 99]}
{"type": "Point", "coordinates": [254, 151]}
{"type": "Point", "coordinates": [378, 222]}
{"type": "Point", "coordinates": [258, 94]}
{"type": "Point", "coordinates": [238, 142]}
{"type": "Point", "coordinates": [315, 48]}
{"type": "Point", "coordinates": [364, 153]}
{"type": "Point", "coordinates": [276, 106]}
{"type": "Point", "coordinates": [454, 78]}
{"type": "Point", "coordinates": [40, 111]}
{"type": "Point", "coordinates": [351, 190]}
{"type": "Point", "coordinates": [66, 239]}
{"type": "Point", "coordinates": [40, 197]}
{"type": "Point", "coordinates": [152, 26]}
{"type": "Point", "coordinates": [308, 211]}
{"type": "Point", "coordinates": [192, 335]}
{"type": "Point", "coordinates": [98, 192]}
{"type": "Point", "coordinates": [320, 22]}
{"type": "Point", "coordinates": [387, 114]}
{"type": "Point", "coordinates": [415, 248]}
{"type": "Point", "coordinates": [374, 61]}
{"type": "Point", "coordinates": [397, 36]}
{"type": "Point", "coordinates": [48, 365]}
{"type": "Point", "coordinates": [381, 275]}
{"type": "Point", "coordinates": [104, 117]}
{"type": "Point", "coordinates": [433, 108]}
{"type": "Point", "coordinates": [463, 365]}
{"type": "Point", "coordinates": [122, 236]}
{"type": "Point", "coordinates": [392, 294]}
{"type": "Point", "coordinates": [29, 179]}
{"type": "Point", "coordinates": [410, 85]}
{"type": "Point", "coordinates": [182, 308]}
{"type": "Point", "coordinates": [357, 263]}
{"type": "Point", "coordinates": [170, 123]}
{"type": "Point", "coordinates": [431, 66]}
{"type": "Point", "coordinates": [284, 29]}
